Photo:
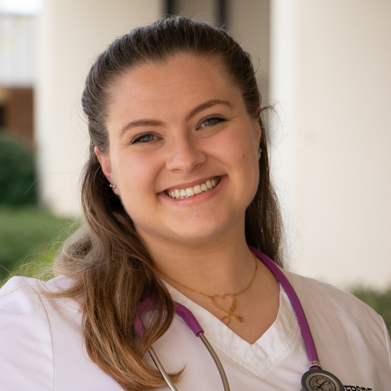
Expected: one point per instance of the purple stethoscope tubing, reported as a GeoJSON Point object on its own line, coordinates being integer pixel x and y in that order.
{"type": "Point", "coordinates": [179, 309]}
{"type": "Point", "coordinates": [301, 318]}
{"type": "Point", "coordinates": [195, 327]}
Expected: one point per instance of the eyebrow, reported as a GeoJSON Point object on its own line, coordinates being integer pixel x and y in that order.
{"type": "Point", "coordinates": [195, 111]}
{"type": "Point", "coordinates": [139, 123]}
{"type": "Point", "coordinates": [206, 105]}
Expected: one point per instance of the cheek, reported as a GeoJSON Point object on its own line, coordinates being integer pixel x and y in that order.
{"type": "Point", "coordinates": [136, 174]}
{"type": "Point", "coordinates": [244, 156]}
{"type": "Point", "coordinates": [240, 146]}
{"type": "Point", "coordinates": [136, 189]}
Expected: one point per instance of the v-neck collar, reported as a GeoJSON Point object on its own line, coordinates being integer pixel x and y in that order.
{"type": "Point", "coordinates": [275, 344]}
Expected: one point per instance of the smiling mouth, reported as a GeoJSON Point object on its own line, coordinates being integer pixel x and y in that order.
{"type": "Point", "coordinates": [180, 194]}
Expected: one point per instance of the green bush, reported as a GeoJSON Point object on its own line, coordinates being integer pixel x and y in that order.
{"type": "Point", "coordinates": [379, 300]}
{"type": "Point", "coordinates": [30, 236]}
{"type": "Point", "coordinates": [17, 173]}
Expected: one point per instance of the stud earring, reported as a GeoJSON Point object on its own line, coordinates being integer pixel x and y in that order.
{"type": "Point", "coordinates": [112, 186]}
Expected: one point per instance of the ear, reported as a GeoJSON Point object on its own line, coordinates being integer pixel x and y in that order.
{"type": "Point", "coordinates": [104, 161]}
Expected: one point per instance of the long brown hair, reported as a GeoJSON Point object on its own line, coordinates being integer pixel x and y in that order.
{"type": "Point", "coordinates": [111, 268]}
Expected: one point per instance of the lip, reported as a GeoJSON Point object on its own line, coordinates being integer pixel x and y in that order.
{"type": "Point", "coordinates": [191, 184]}
{"type": "Point", "coordinates": [196, 198]}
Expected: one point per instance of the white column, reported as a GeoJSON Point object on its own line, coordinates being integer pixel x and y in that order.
{"type": "Point", "coordinates": [282, 122]}
{"type": "Point", "coordinates": [331, 71]}
{"type": "Point", "coordinates": [71, 34]}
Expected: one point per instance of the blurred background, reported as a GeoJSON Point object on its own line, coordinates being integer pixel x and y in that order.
{"type": "Point", "coordinates": [324, 66]}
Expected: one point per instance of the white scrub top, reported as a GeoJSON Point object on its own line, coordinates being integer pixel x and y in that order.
{"type": "Point", "coordinates": [41, 346]}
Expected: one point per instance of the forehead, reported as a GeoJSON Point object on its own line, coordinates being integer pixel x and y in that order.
{"type": "Point", "coordinates": [176, 61]}
{"type": "Point", "coordinates": [173, 84]}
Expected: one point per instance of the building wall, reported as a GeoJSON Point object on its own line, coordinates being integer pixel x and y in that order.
{"type": "Point", "coordinates": [17, 75]}
{"type": "Point", "coordinates": [205, 10]}
{"type": "Point", "coordinates": [331, 74]}
{"type": "Point", "coordinates": [249, 22]}
{"type": "Point", "coordinates": [17, 113]}
{"type": "Point", "coordinates": [17, 50]}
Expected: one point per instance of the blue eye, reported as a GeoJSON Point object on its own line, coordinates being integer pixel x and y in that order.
{"type": "Point", "coordinates": [144, 138]}
{"type": "Point", "coordinates": [212, 121]}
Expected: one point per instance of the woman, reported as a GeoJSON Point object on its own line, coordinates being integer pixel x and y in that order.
{"type": "Point", "coordinates": [175, 190]}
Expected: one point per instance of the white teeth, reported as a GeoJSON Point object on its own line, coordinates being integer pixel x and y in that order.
{"type": "Point", "coordinates": [189, 192]}
{"type": "Point", "coordinates": [192, 191]}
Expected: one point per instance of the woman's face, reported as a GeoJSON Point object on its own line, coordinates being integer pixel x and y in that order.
{"type": "Point", "coordinates": [183, 151]}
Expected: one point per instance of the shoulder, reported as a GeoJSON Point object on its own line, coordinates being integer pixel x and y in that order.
{"type": "Point", "coordinates": [329, 299]}
{"type": "Point", "coordinates": [26, 333]}
{"type": "Point", "coordinates": [41, 340]}
{"type": "Point", "coordinates": [25, 295]}
{"type": "Point", "coordinates": [27, 299]}
{"type": "Point", "coordinates": [25, 303]}
{"type": "Point", "coordinates": [344, 328]}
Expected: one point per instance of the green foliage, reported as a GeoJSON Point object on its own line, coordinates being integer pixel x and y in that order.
{"type": "Point", "coordinates": [17, 173]}
{"type": "Point", "coordinates": [379, 300]}
{"type": "Point", "coordinates": [30, 236]}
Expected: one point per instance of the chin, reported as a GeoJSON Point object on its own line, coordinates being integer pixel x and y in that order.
{"type": "Point", "coordinates": [202, 234]}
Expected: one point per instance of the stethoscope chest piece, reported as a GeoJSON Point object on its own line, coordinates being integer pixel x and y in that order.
{"type": "Point", "coordinates": [320, 380]}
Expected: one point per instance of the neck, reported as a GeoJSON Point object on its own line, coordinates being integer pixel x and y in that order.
{"type": "Point", "coordinates": [211, 268]}
{"type": "Point", "coordinates": [221, 269]}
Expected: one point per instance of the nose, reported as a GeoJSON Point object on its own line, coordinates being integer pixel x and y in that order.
{"type": "Point", "coordinates": [184, 155]}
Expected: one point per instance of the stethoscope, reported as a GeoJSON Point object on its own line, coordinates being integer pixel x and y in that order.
{"type": "Point", "coordinates": [315, 379]}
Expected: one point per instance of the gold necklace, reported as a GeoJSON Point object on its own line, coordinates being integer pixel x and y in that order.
{"type": "Point", "coordinates": [227, 318]}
